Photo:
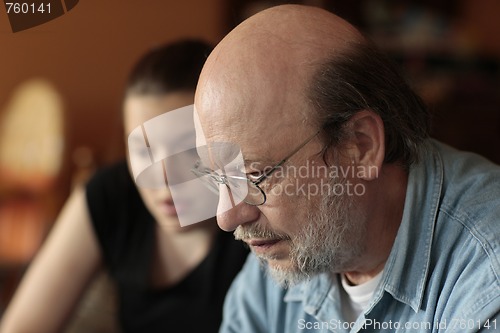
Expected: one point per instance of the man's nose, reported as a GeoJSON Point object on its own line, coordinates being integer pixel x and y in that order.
{"type": "Point", "coordinates": [231, 213]}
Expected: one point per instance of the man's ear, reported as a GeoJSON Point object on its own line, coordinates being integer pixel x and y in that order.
{"type": "Point", "coordinates": [367, 143]}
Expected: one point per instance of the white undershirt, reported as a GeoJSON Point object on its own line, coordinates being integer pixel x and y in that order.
{"type": "Point", "coordinates": [357, 298]}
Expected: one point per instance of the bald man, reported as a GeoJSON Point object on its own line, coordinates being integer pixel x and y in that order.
{"type": "Point", "coordinates": [355, 218]}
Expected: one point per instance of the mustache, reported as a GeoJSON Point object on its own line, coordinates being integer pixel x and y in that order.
{"type": "Point", "coordinates": [255, 230]}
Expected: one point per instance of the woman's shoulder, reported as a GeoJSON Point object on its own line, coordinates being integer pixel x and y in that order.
{"type": "Point", "coordinates": [112, 190]}
{"type": "Point", "coordinates": [122, 224]}
{"type": "Point", "coordinates": [113, 198]}
{"type": "Point", "coordinates": [111, 176]}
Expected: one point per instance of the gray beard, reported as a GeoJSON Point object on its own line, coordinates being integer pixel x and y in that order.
{"type": "Point", "coordinates": [330, 242]}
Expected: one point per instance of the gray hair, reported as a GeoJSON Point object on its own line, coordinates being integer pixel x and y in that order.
{"type": "Point", "coordinates": [363, 78]}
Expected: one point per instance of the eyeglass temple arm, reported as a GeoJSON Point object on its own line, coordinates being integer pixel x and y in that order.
{"type": "Point", "coordinates": [280, 163]}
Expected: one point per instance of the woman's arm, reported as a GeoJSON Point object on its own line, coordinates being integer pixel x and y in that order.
{"type": "Point", "coordinates": [58, 275]}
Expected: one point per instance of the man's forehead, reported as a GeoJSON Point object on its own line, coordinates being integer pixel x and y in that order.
{"type": "Point", "coordinates": [254, 122]}
{"type": "Point", "coordinates": [254, 85]}
{"type": "Point", "coordinates": [251, 103]}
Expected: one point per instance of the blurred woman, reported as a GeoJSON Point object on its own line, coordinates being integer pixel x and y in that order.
{"type": "Point", "coordinates": [168, 278]}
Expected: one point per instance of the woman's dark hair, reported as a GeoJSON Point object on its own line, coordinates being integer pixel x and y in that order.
{"type": "Point", "coordinates": [173, 67]}
{"type": "Point", "coordinates": [363, 78]}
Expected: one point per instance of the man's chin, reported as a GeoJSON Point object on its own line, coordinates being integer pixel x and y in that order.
{"type": "Point", "coordinates": [283, 264]}
{"type": "Point", "coordinates": [283, 272]}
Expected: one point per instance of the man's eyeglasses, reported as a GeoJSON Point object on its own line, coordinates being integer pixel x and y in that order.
{"type": "Point", "coordinates": [253, 193]}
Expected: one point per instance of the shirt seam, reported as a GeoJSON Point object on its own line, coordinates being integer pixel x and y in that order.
{"type": "Point", "coordinates": [485, 245]}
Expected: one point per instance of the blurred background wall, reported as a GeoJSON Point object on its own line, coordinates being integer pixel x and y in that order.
{"type": "Point", "coordinates": [87, 53]}
{"type": "Point", "coordinates": [450, 50]}
{"type": "Point", "coordinates": [80, 60]}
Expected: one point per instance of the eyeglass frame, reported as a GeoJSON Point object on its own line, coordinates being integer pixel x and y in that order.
{"type": "Point", "coordinates": [222, 179]}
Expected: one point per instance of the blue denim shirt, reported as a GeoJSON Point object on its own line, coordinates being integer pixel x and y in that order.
{"type": "Point", "coordinates": [442, 275]}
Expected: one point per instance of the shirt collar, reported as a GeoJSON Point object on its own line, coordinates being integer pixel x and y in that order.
{"type": "Point", "coordinates": [406, 269]}
{"type": "Point", "coordinates": [312, 292]}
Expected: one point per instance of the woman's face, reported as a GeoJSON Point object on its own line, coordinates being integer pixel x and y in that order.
{"type": "Point", "coordinates": [137, 110]}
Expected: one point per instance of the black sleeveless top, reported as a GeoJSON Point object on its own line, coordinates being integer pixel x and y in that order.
{"type": "Point", "coordinates": [126, 234]}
